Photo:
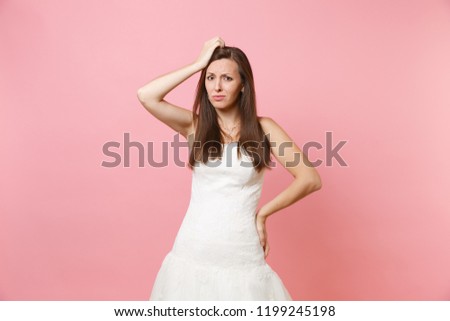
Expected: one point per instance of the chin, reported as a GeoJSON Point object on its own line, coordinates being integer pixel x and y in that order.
{"type": "Point", "coordinates": [219, 105]}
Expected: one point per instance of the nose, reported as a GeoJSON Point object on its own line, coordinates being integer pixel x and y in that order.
{"type": "Point", "coordinates": [218, 85]}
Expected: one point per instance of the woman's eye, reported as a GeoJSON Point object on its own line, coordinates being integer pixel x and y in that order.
{"type": "Point", "coordinates": [228, 78]}
{"type": "Point", "coordinates": [209, 77]}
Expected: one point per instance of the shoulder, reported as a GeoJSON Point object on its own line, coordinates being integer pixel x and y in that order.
{"type": "Point", "coordinates": [265, 122]}
{"type": "Point", "coordinates": [277, 136]}
{"type": "Point", "coordinates": [270, 126]}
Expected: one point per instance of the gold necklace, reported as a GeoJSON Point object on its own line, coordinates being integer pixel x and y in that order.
{"type": "Point", "coordinates": [230, 131]}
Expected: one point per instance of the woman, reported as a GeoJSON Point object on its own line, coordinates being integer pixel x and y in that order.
{"type": "Point", "coordinates": [219, 252]}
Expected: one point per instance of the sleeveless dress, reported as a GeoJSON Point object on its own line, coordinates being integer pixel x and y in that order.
{"type": "Point", "coordinates": [217, 254]}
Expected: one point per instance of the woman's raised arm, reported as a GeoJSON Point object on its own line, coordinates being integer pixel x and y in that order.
{"type": "Point", "coordinates": [152, 94]}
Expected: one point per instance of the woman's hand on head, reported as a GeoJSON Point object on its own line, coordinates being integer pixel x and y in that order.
{"type": "Point", "coordinates": [207, 51]}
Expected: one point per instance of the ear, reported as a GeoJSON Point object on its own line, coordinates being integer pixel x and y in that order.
{"type": "Point", "coordinates": [242, 90]}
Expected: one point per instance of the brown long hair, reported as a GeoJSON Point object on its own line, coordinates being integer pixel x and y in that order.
{"type": "Point", "coordinates": [208, 132]}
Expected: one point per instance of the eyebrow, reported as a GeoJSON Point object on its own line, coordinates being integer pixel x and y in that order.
{"type": "Point", "coordinates": [211, 73]}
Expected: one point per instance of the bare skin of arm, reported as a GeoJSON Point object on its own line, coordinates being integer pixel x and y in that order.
{"type": "Point", "coordinates": [306, 178]}
{"type": "Point", "coordinates": [152, 94]}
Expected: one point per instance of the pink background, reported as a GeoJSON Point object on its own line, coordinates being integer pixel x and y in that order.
{"type": "Point", "coordinates": [374, 73]}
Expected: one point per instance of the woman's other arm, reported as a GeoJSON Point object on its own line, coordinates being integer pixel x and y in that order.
{"type": "Point", "coordinates": [306, 178]}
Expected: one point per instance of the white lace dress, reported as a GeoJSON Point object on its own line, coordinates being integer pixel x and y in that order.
{"type": "Point", "coordinates": [216, 254]}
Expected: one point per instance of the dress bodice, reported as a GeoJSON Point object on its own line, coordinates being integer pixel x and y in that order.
{"type": "Point", "coordinates": [224, 196]}
{"type": "Point", "coordinates": [228, 175]}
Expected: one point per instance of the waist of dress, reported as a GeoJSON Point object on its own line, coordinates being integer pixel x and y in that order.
{"type": "Point", "coordinates": [223, 254]}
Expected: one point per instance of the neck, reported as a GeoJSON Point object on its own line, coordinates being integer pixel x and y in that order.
{"type": "Point", "coordinates": [228, 119]}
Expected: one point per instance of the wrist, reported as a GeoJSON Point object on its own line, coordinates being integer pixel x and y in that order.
{"type": "Point", "coordinates": [198, 65]}
{"type": "Point", "coordinates": [262, 215]}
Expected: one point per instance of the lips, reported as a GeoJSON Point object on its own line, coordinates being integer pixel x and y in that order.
{"type": "Point", "coordinates": [218, 97]}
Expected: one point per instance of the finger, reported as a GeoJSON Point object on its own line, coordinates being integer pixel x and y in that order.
{"type": "Point", "coordinates": [262, 239]}
{"type": "Point", "coordinates": [216, 44]}
{"type": "Point", "coordinates": [262, 242]}
{"type": "Point", "coordinates": [221, 42]}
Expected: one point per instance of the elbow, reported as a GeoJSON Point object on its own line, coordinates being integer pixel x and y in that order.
{"type": "Point", "coordinates": [309, 183]}
{"type": "Point", "coordinates": [147, 99]}
{"type": "Point", "coordinates": [140, 95]}
{"type": "Point", "coordinates": [315, 184]}
{"type": "Point", "coordinates": [144, 99]}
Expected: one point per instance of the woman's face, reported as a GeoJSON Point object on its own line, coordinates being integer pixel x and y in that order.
{"type": "Point", "coordinates": [223, 83]}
